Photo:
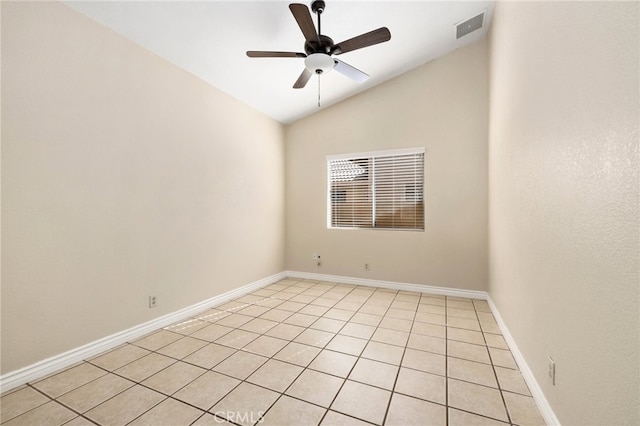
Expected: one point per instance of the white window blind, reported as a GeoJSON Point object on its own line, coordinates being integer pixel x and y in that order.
{"type": "Point", "coordinates": [377, 190]}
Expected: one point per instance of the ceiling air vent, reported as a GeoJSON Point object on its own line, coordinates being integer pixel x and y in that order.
{"type": "Point", "coordinates": [470, 25]}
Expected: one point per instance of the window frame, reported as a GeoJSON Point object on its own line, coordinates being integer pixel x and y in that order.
{"type": "Point", "coordinates": [372, 155]}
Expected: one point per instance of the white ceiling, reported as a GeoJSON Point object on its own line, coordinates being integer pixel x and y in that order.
{"type": "Point", "coordinates": [209, 39]}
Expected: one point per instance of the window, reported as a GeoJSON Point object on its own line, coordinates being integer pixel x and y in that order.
{"type": "Point", "coordinates": [382, 190]}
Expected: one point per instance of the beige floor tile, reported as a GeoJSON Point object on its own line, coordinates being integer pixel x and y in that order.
{"type": "Point", "coordinates": [283, 296]}
{"type": "Point", "coordinates": [467, 336]}
{"type": "Point", "coordinates": [431, 300]}
{"type": "Point", "coordinates": [349, 306]}
{"type": "Point", "coordinates": [412, 296]}
{"type": "Point", "coordinates": [431, 318]}
{"type": "Point", "coordinates": [312, 337]}
{"type": "Point", "coordinates": [502, 358]}
{"type": "Point", "coordinates": [372, 309]}
{"type": "Point", "coordinates": [157, 340]}
{"type": "Point", "coordinates": [315, 387]}
{"type": "Point", "coordinates": [347, 344]}
{"type": "Point", "coordinates": [462, 418]}
{"type": "Point", "coordinates": [328, 324]}
{"type": "Point", "coordinates": [96, 392]}
{"type": "Point", "coordinates": [145, 367]}
{"type": "Point", "coordinates": [79, 421]}
{"type": "Point", "coordinates": [313, 292]}
{"type": "Point", "coordinates": [211, 332]}
{"type": "Point", "coordinates": [366, 319]}
{"type": "Point", "coordinates": [258, 325]}
{"type": "Point", "coordinates": [471, 371]}
{"type": "Point", "coordinates": [422, 385]}
{"type": "Point", "coordinates": [324, 302]}
{"type": "Point", "coordinates": [383, 352]}
{"type": "Point", "coordinates": [168, 412]}
{"type": "Point", "coordinates": [207, 390]}
{"type": "Point", "coordinates": [460, 303]}
{"type": "Point", "coordinates": [211, 315]}
{"type": "Point", "coordinates": [490, 327]}
{"type": "Point", "coordinates": [254, 310]}
{"type": "Point", "coordinates": [410, 306]}
{"type": "Point", "coordinates": [232, 306]}
{"type": "Point", "coordinates": [50, 414]}
{"type": "Point", "coordinates": [271, 302]}
{"type": "Point", "coordinates": [357, 330]}
{"type": "Point", "coordinates": [362, 401]}
{"type": "Point", "coordinates": [235, 320]}
{"type": "Point", "coordinates": [69, 379]}
{"type": "Point", "coordinates": [338, 419]}
{"type": "Point", "coordinates": [512, 381]}
{"type": "Point", "coordinates": [291, 306]}
{"type": "Point", "coordinates": [289, 411]}
{"type": "Point", "coordinates": [465, 323]}
{"type": "Point", "coordinates": [264, 292]}
{"type": "Point", "coordinates": [468, 351]}
{"type": "Point", "coordinates": [302, 320]}
{"type": "Point", "coordinates": [476, 399]}
{"type": "Point", "coordinates": [401, 314]}
{"type": "Point", "coordinates": [392, 337]}
{"type": "Point", "coordinates": [182, 348]}
{"type": "Point", "coordinates": [174, 377]}
{"type": "Point", "coordinates": [240, 365]}
{"type": "Point", "coordinates": [339, 314]}
{"type": "Point", "coordinates": [187, 327]}
{"type": "Point", "coordinates": [407, 411]}
{"type": "Point", "coordinates": [265, 346]}
{"type": "Point", "coordinates": [277, 315]}
{"type": "Point", "coordinates": [523, 410]}
{"type": "Point", "coordinates": [210, 420]}
{"type": "Point", "coordinates": [462, 313]}
{"type": "Point", "coordinates": [427, 329]}
{"type": "Point", "coordinates": [338, 364]}
{"type": "Point", "coordinates": [125, 406]}
{"type": "Point", "coordinates": [495, 341]}
{"type": "Point", "coordinates": [297, 353]}
{"type": "Point", "coordinates": [210, 355]}
{"type": "Point", "coordinates": [396, 324]}
{"type": "Point", "coordinates": [119, 357]}
{"type": "Point", "coordinates": [431, 309]}
{"type": "Point", "coordinates": [427, 343]}
{"type": "Point", "coordinates": [314, 310]}
{"type": "Point", "coordinates": [285, 331]}
{"type": "Point", "coordinates": [374, 373]}
{"type": "Point", "coordinates": [424, 361]}
{"type": "Point", "coordinates": [275, 375]}
{"type": "Point", "coordinates": [250, 298]}
{"type": "Point", "coordinates": [19, 402]}
{"type": "Point", "coordinates": [333, 295]}
{"type": "Point", "coordinates": [237, 339]}
{"type": "Point", "coordinates": [245, 405]}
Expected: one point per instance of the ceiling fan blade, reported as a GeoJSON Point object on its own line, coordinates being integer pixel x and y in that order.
{"type": "Point", "coordinates": [350, 71]}
{"type": "Point", "coordinates": [265, 54]}
{"type": "Point", "coordinates": [363, 40]}
{"type": "Point", "coordinates": [303, 18]}
{"type": "Point", "coordinates": [303, 79]}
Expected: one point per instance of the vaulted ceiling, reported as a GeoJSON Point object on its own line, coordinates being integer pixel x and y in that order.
{"type": "Point", "coordinates": [209, 39]}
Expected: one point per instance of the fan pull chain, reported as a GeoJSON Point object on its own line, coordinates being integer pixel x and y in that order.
{"type": "Point", "coordinates": [318, 90]}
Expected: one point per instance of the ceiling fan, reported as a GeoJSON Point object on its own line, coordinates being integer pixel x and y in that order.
{"type": "Point", "coordinates": [320, 48]}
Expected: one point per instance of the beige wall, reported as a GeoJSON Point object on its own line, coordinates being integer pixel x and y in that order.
{"type": "Point", "coordinates": [563, 146]}
{"type": "Point", "coordinates": [122, 176]}
{"type": "Point", "coordinates": [442, 106]}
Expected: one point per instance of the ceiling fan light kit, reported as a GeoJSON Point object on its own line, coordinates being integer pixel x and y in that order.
{"type": "Point", "coordinates": [320, 49]}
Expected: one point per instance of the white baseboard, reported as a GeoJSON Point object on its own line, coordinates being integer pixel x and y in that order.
{"type": "Point", "coordinates": [442, 291]}
{"type": "Point", "coordinates": [42, 368]}
{"type": "Point", "coordinates": [545, 409]}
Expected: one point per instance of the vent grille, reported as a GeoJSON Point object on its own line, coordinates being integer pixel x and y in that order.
{"type": "Point", "coordinates": [469, 25]}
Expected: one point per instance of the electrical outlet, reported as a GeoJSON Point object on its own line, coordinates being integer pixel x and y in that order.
{"type": "Point", "coordinates": [366, 266]}
{"type": "Point", "coordinates": [551, 370]}
{"type": "Point", "coordinates": [153, 301]}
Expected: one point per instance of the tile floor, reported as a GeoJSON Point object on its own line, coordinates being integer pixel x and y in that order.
{"type": "Point", "coordinates": [297, 352]}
